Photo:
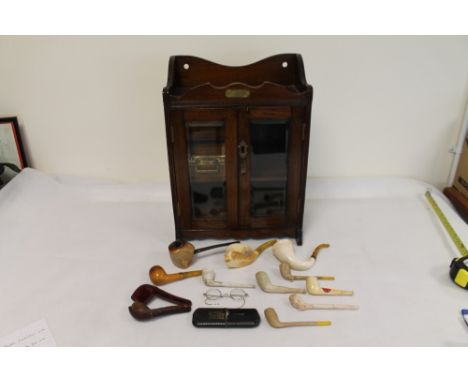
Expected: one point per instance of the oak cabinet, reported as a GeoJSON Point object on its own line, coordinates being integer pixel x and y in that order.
{"type": "Point", "coordinates": [237, 140]}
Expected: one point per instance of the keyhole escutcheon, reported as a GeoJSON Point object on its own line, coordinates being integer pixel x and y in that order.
{"type": "Point", "coordinates": [243, 152]}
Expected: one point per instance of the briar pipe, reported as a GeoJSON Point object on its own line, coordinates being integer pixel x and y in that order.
{"type": "Point", "coordinates": [182, 252]}
{"type": "Point", "coordinates": [145, 293]}
{"type": "Point", "coordinates": [273, 320]}
{"type": "Point", "coordinates": [240, 255]}
{"type": "Point", "coordinates": [159, 276]}
{"type": "Point", "coordinates": [142, 312]}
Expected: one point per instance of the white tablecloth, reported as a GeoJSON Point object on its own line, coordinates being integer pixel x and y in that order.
{"type": "Point", "coordinates": [73, 250]}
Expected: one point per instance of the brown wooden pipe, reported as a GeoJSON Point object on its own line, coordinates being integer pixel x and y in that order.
{"type": "Point", "coordinates": [182, 252]}
{"type": "Point", "coordinates": [159, 276]}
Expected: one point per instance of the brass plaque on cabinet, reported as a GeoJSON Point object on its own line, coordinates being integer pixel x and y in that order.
{"type": "Point", "coordinates": [237, 93]}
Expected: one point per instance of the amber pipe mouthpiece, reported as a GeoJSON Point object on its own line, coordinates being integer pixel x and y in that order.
{"type": "Point", "coordinates": [182, 252]}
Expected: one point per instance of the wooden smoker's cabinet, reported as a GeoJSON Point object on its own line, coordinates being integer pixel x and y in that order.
{"type": "Point", "coordinates": [237, 140]}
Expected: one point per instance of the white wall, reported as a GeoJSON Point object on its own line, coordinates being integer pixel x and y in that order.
{"type": "Point", "coordinates": [92, 106]}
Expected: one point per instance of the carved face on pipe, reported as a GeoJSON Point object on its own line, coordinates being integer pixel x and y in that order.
{"type": "Point", "coordinates": [240, 255]}
{"type": "Point", "coordinates": [284, 252]}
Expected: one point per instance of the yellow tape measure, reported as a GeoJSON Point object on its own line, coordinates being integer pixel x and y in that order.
{"type": "Point", "coordinates": [459, 265]}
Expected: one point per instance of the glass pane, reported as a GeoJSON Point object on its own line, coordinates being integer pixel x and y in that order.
{"type": "Point", "coordinates": [206, 156]}
{"type": "Point", "coordinates": [269, 163]}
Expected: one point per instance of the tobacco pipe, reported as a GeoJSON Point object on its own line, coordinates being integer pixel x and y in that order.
{"type": "Point", "coordinates": [159, 276]}
{"type": "Point", "coordinates": [273, 320]}
{"type": "Point", "coordinates": [313, 287]}
{"type": "Point", "coordinates": [182, 252]}
{"type": "Point", "coordinates": [265, 284]}
{"type": "Point", "coordinates": [285, 270]}
{"type": "Point", "coordinates": [284, 252]}
{"type": "Point", "coordinates": [208, 277]}
{"type": "Point", "coordinates": [143, 296]}
{"type": "Point", "coordinates": [240, 255]}
{"type": "Point", "coordinates": [298, 303]}
{"type": "Point", "coordinates": [142, 312]}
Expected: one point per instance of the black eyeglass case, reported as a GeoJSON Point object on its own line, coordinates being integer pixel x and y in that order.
{"type": "Point", "coordinates": [225, 318]}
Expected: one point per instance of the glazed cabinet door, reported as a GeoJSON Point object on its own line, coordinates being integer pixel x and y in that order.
{"type": "Point", "coordinates": [206, 180]}
{"type": "Point", "coordinates": [269, 164]}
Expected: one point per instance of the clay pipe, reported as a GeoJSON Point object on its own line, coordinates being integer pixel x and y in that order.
{"type": "Point", "coordinates": [298, 303]}
{"type": "Point", "coordinates": [273, 320]}
{"type": "Point", "coordinates": [313, 287]}
{"type": "Point", "coordinates": [159, 276]}
{"type": "Point", "coordinates": [182, 252]}
{"type": "Point", "coordinates": [285, 271]}
{"type": "Point", "coordinates": [265, 284]}
{"type": "Point", "coordinates": [208, 277]}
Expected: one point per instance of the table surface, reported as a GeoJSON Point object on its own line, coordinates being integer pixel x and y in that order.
{"type": "Point", "coordinates": [73, 250]}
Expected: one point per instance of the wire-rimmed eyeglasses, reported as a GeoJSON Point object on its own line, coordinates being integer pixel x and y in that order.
{"type": "Point", "coordinates": [212, 295]}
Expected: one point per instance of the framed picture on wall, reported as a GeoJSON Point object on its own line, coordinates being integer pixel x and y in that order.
{"type": "Point", "coordinates": [12, 159]}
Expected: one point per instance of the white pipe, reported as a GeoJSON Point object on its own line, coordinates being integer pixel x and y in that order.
{"type": "Point", "coordinates": [459, 147]}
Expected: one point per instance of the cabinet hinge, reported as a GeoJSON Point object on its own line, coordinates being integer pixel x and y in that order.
{"type": "Point", "coordinates": [178, 209]}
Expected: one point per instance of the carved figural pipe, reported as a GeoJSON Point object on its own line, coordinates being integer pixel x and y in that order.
{"type": "Point", "coordinates": [285, 270]}
{"type": "Point", "coordinates": [265, 284]}
{"type": "Point", "coordinates": [298, 303]}
{"type": "Point", "coordinates": [159, 276]}
{"type": "Point", "coordinates": [240, 255]}
{"type": "Point", "coordinates": [273, 320]}
{"type": "Point", "coordinates": [284, 252]}
{"type": "Point", "coordinates": [209, 276]}
{"type": "Point", "coordinates": [313, 288]}
{"type": "Point", "coordinates": [182, 252]}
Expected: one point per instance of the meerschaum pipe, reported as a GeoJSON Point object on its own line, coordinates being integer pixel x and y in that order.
{"type": "Point", "coordinates": [208, 277]}
{"type": "Point", "coordinates": [159, 276]}
{"type": "Point", "coordinates": [285, 271]}
{"type": "Point", "coordinates": [313, 288]}
{"type": "Point", "coordinates": [297, 302]}
{"type": "Point", "coordinates": [265, 284]}
{"type": "Point", "coordinates": [239, 255]}
{"type": "Point", "coordinates": [273, 320]}
{"type": "Point", "coordinates": [182, 252]}
{"type": "Point", "coordinates": [284, 252]}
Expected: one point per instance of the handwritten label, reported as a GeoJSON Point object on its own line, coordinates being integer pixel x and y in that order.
{"type": "Point", "coordinates": [35, 334]}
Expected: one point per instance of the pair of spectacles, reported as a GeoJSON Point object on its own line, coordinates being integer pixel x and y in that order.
{"type": "Point", "coordinates": [145, 293]}
{"type": "Point", "coordinates": [212, 295]}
